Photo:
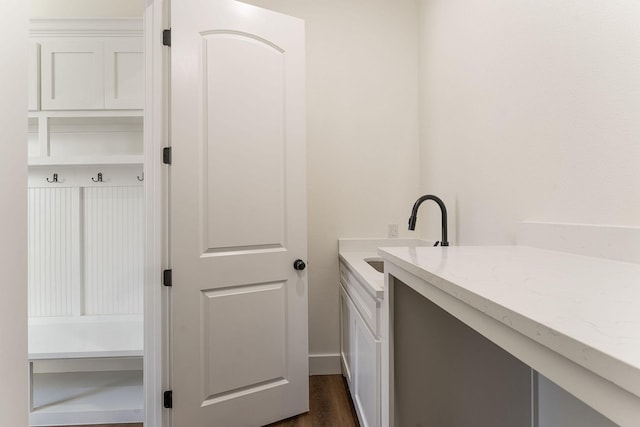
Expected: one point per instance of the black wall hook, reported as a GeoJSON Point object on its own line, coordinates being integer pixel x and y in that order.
{"type": "Point", "coordinates": [55, 178]}
{"type": "Point", "coordinates": [99, 178]}
{"type": "Point", "coordinates": [140, 178]}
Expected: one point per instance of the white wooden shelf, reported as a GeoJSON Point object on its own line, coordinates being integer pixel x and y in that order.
{"type": "Point", "coordinates": [85, 138]}
{"type": "Point", "coordinates": [87, 398]}
{"type": "Point", "coordinates": [134, 159]}
{"type": "Point", "coordinates": [85, 113]}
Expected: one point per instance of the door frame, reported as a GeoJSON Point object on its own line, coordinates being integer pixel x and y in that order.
{"type": "Point", "coordinates": [156, 135]}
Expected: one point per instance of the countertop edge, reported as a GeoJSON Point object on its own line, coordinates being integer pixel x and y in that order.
{"type": "Point", "coordinates": [624, 372]}
{"type": "Point", "coordinates": [355, 262]}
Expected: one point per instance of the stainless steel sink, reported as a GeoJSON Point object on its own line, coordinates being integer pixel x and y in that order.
{"type": "Point", "coordinates": [377, 264]}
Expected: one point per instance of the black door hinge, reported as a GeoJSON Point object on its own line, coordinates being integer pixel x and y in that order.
{"type": "Point", "coordinates": [166, 37]}
{"type": "Point", "coordinates": [167, 277]}
{"type": "Point", "coordinates": [167, 399]}
{"type": "Point", "coordinates": [166, 155]}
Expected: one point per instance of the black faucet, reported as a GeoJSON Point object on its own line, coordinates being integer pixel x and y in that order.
{"type": "Point", "coordinates": [443, 210]}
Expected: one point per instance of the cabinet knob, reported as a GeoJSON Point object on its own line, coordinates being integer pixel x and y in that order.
{"type": "Point", "coordinates": [299, 265]}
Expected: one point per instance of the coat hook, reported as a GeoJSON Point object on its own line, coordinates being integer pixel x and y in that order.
{"type": "Point", "coordinates": [55, 178]}
{"type": "Point", "coordinates": [99, 178]}
{"type": "Point", "coordinates": [141, 178]}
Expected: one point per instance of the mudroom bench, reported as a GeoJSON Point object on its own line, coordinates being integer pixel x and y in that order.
{"type": "Point", "coordinates": [85, 370]}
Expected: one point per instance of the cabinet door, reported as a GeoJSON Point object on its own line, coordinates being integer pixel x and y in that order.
{"type": "Point", "coordinates": [346, 342]}
{"type": "Point", "coordinates": [124, 73]}
{"type": "Point", "coordinates": [366, 375]}
{"type": "Point", "coordinates": [34, 76]}
{"type": "Point", "coordinates": [72, 75]}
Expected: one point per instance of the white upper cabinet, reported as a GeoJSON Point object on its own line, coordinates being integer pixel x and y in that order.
{"type": "Point", "coordinates": [72, 74]}
{"type": "Point", "coordinates": [86, 64]}
{"type": "Point", "coordinates": [124, 73]}
{"type": "Point", "coordinates": [86, 92]}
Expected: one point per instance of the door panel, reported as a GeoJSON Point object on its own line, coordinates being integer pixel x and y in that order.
{"type": "Point", "coordinates": [238, 215]}
{"type": "Point", "coordinates": [244, 142]}
{"type": "Point", "coordinates": [252, 340]}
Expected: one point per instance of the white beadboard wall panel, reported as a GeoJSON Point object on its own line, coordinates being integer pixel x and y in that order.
{"type": "Point", "coordinates": [51, 262]}
{"type": "Point", "coordinates": [113, 250]}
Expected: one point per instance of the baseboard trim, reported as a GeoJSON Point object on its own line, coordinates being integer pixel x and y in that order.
{"type": "Point", "coordinates": [324, 364]}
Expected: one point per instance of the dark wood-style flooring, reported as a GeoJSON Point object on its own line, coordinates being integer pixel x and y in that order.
{"type": "Point", "coordinates": [110, 425]}
{"type": "Point", "coordinates": [329, 401]}
{"type": "Point", "coordinates": [330, 405]}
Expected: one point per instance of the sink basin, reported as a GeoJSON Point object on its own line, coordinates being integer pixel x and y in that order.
{"type": "Point", "coordinates": [377, 264]}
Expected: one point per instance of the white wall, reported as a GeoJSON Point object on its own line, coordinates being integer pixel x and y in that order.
{"type": "Point", "coordinates": [13, 214]}
{"type": "Point", "coordinates": [529, 111]}
{"type": "Point", "coordinates": [86, 8]}
{"type": "Point", "coordinates": [361, 135]}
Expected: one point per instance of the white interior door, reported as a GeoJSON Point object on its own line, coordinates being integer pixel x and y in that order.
{"type": "Point", "coordinates": [238, 215]}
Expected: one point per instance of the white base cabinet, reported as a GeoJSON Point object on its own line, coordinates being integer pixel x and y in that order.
{"type": "Point", "coordinates": [360, 349]}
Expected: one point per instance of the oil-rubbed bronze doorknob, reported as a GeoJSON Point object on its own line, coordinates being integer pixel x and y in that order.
{"type": "Point", "coordinates": [299, 265]}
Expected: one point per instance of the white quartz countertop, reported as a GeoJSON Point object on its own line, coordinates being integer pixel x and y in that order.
{"type": "Point", "coordinates": [356, 252]}
{"type": "Point", "coordinates": [372, 279]}
{"type": "Point", "coordinates": [586, 309]}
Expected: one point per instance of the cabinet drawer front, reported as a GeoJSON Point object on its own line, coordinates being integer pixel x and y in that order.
{"type": "Point", "coordinates": [367, 305]}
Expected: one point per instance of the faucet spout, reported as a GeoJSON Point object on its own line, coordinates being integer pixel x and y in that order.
{"type": "Point", "coordinates": [443, 211]}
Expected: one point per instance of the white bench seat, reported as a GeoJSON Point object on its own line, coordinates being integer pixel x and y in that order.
{"type": "Point", "coordinates": [63, 397]}
{"type": "Point", "coordinates": [85, 337]}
